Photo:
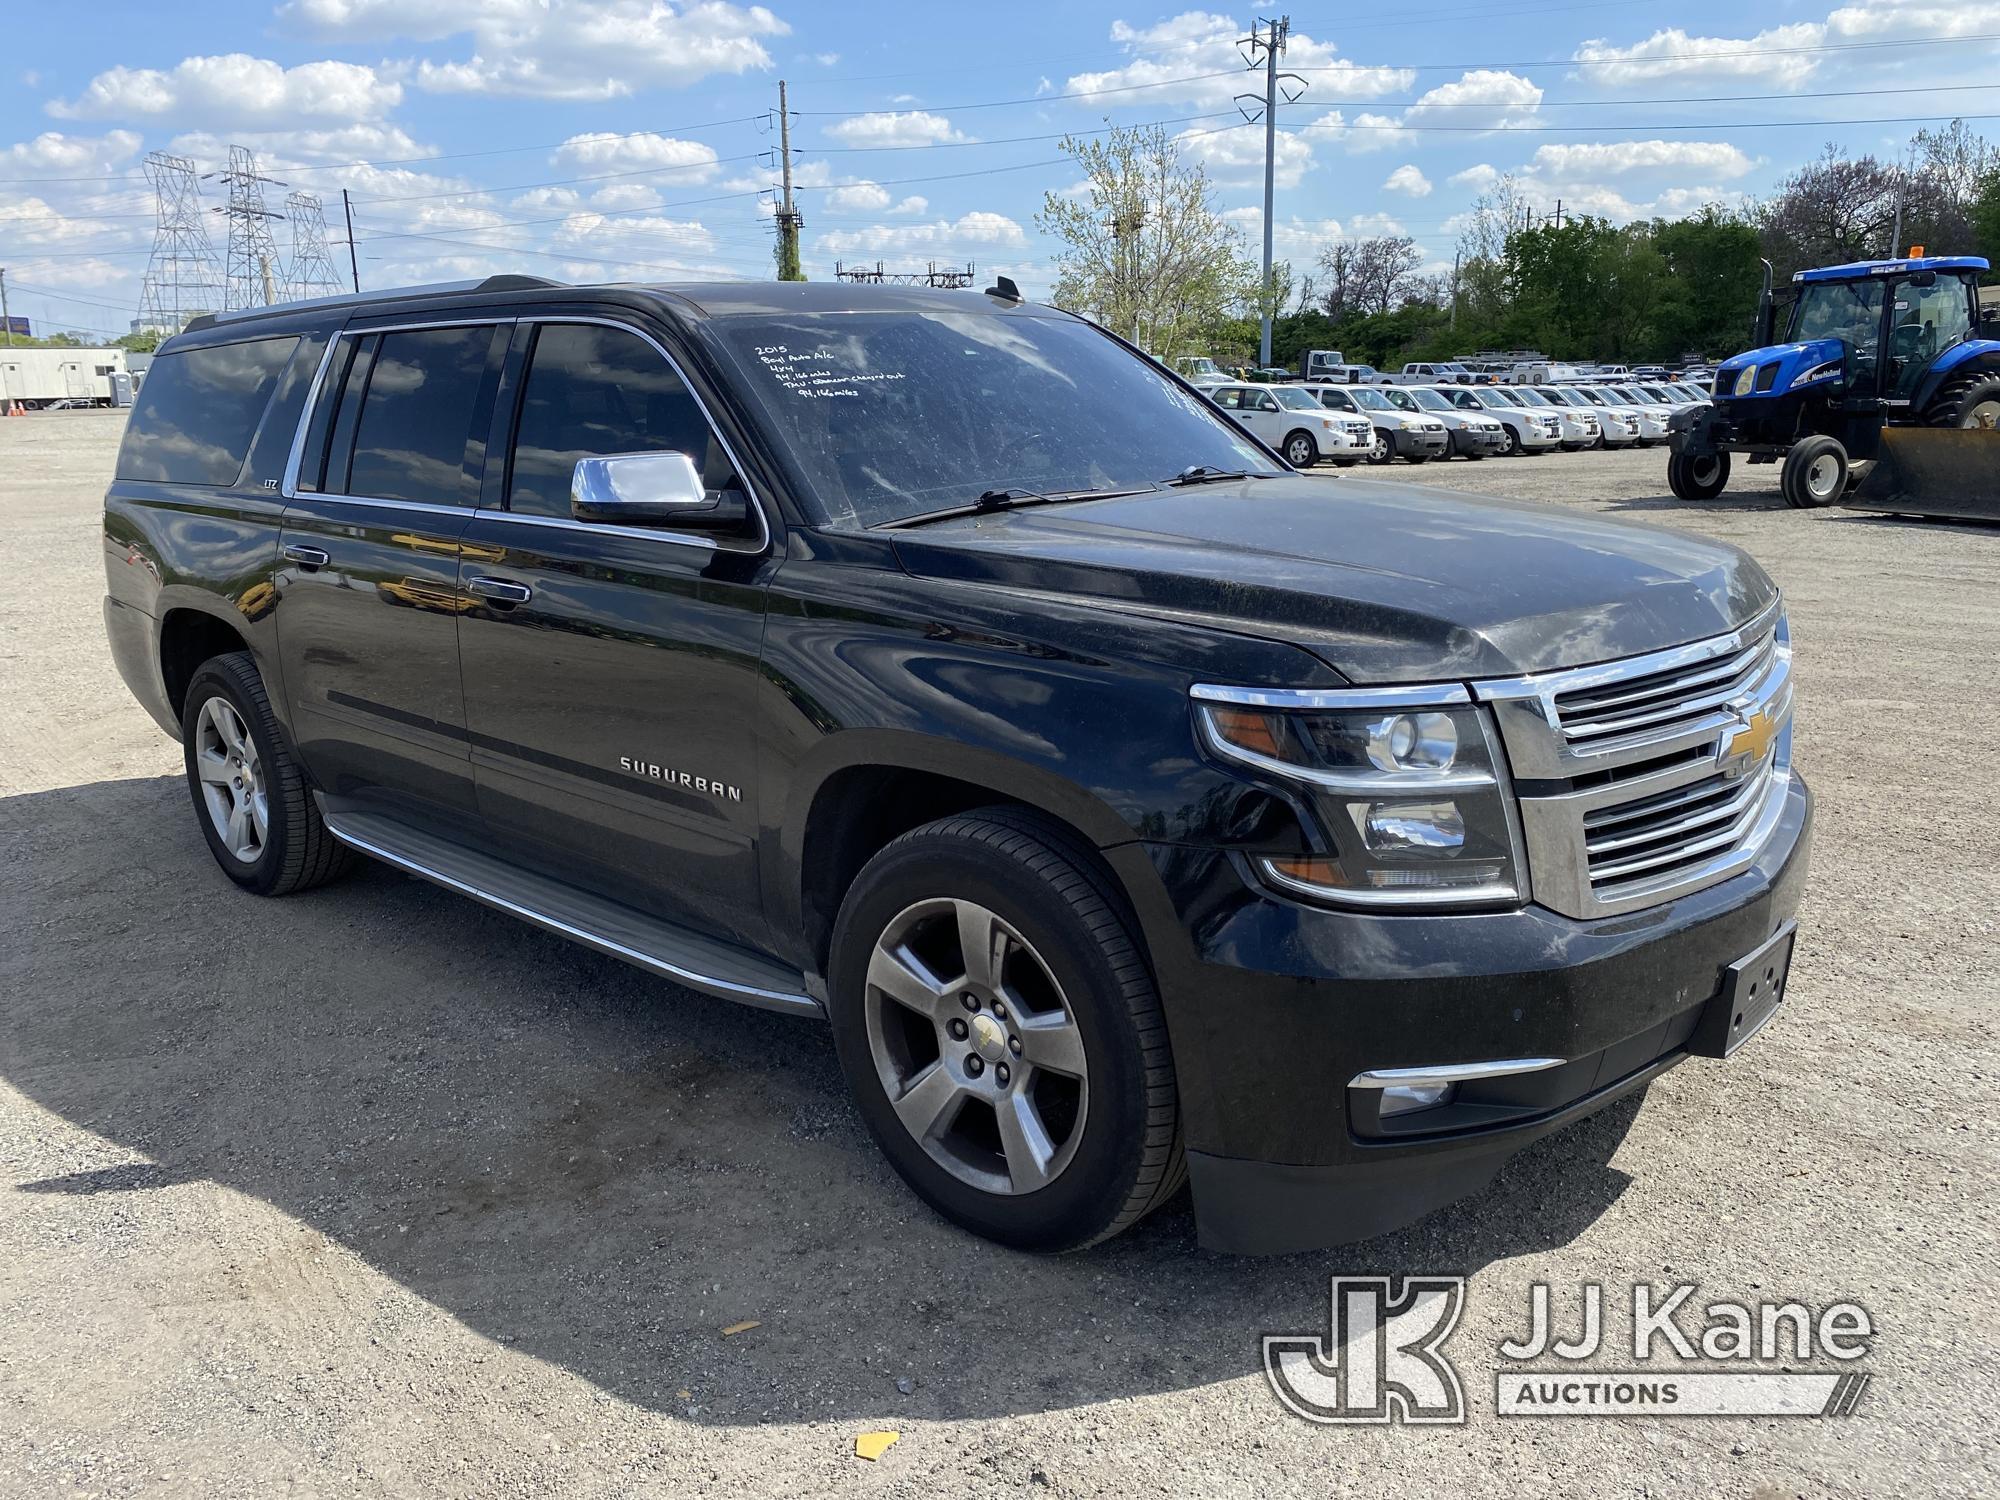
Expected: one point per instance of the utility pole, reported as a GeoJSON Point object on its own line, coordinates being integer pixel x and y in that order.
{"type": "Point", "coordinates": [1559, 213]}
{"type": "Point", "coordinates": [789, 221]}
{"type": "Point", "coordinates": [1454, 289]}
{"type": "Point", "coordinates": [6, 321]}
{"type": "Point", "coordinates": [1268, 45]}
{"type": "Point", "coordinates": [353, 265]}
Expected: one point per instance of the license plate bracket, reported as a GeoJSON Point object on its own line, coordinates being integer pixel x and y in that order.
{"type": "Point", "coordinates": [1752, 990]}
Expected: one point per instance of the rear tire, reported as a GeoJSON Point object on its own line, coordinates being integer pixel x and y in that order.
{"type": "Point", "coordinates": [1045, 1156]}
{"type": "Point", "coordinates": [250, 793]}
{"type": "Point", "coordinates": [1815, 473]}
{"type": "Point", "coordinates": [1972, 402]}
{"type": "Point", "coordinates": [1697, 476]}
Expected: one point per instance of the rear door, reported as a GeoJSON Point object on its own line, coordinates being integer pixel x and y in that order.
{"type": "Point", "coordinates": [611, 671]}
{"type": "Point", "coordinates": [385, 481]}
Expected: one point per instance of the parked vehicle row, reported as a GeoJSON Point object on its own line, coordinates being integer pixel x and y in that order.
{"type": "Point", "coordinates": [1418, 423]}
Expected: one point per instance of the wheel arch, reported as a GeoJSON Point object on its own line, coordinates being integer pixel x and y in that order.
{"type": "Point", "coordinates": [885, 783]}
{"type": "Point", "coordinates": [189, 636]}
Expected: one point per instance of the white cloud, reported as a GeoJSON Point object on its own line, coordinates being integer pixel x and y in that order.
{"type": "Point", "coordinates": [1294, 239]}
{"type": "Point", "coordinates": [1168, 59]}
{"type": "Point", "coordinates": [601, 153]}
{"type": "Point", "coordinates": [54, 154]}
{"type": "Point", "coordinates": [978, 230]}
{"type": "Point", "coordinates": [826, 59]}
{"type": "Point", "coordinates": [281, 149]}
{"type": "Point", "coordinates": [895, 128]}
{"type": "Point", "coordinates": [1235, 158]}
{"type": "Point", "coordinates": [1407, 179]}
{"type": "Point", "coordinates": [913, 205]}
{"type": "Point", "coordinates": [1682, 159]}
{"type": "Point", "coordinates": [236, 91]}
{"type": "Point", "coordinates": [1674, 54]}
{"type": "Point", "coordinates": [858, 198]}
{"type": "Point", "coordinates": [1367, 132]}
{"type": "Point", "coordinates": [1487, 97]}
{"type": "Point", "coordinates": [1477, 178]}
{"type": "Point", "coordinates": [1376, 225]}
{"type": "Point", "coordinates": [558, 49]}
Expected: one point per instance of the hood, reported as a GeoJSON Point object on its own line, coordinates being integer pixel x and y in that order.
{"type": "Point", "coordinates": [1785, 362]}
{"type": "Point", "coordinates": [1384, 582]}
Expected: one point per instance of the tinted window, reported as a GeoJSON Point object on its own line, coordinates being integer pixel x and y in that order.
{"type": "Point", "coordinates": [883, 415]}
{"type": "Point", "coordinates": [415, 437]}
{"type": "Point", "coordinates": [593, 390]}
{"type": "Point", "coordinates": [197, 412]}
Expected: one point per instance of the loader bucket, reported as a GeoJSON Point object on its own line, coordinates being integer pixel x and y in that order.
{"type": "Point", "coordinates": [1935, 471]}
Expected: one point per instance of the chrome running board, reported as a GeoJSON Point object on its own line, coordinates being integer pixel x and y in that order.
{"type": "Point", "coordinates": [700, 963]}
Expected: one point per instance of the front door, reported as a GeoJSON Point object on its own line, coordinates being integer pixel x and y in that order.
{"type": "Point", "coordinates": [368, 601]}
{"type": "Point", "coordinates": [610, 671]}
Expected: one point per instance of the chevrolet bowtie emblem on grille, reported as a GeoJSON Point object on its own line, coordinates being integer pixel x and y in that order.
{"type": "Point", "coordinates": [1749, 744]}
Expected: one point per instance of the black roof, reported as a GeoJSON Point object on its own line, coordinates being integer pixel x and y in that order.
{"type": "Point", "coordinates": [716, 299]}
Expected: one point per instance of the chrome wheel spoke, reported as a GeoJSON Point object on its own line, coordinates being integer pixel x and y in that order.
{"type": "Point", "coordinates": [212, 767]}
{"type": "Point", "coordinates": [983, 943]}
{"type": "Point", "coordinates": [1052, 1042]}
{"type": "Point", "coordinates": [902, 976]}
{"type": "Point", "coordinates": [237, 831]}
{"type": "Point", "coordinates": [1024, 1142]}
{"type": "Point", "coordinates": [930, 1105]}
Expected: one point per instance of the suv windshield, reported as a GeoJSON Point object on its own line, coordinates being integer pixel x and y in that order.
{"type": "Point", "coordinates": [1430, 400]}
{"type": "Point", "coordinates": [1370, 398]}
{"type": "Point", "coordinates": [1293, 399]}
{"type": "Point", "coordinates": [884, 416]}
{"type": "Point", "coordinates": [1397, 396]}
{"type": "Point", "coordinates": [1529, 396]}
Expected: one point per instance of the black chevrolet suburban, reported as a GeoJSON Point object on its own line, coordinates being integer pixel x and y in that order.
{"type": "Point", "coordinates": [1135, 809]}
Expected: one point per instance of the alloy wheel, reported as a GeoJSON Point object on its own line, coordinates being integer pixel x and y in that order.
{"type": "Point", "coordinates": [232, 780]}
{"type": "Point", "coordinates": [1823, 477]}
{"type": "Point", "coordinates": [976, 1046]}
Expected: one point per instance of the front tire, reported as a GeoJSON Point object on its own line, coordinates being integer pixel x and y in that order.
{"type": "Point", "coordinates": [1815, 473]}
{"type": "Point", "coordinates": [1384, 449]}
{"type": "Point", "coordinates": [250, 793]}
{"type": "Point", "coordinates": [1301, 452]}
{"type": "Point", "coordinates": [1002, 1035]}
{"type": "Point", "coordinates": [1698, 476]}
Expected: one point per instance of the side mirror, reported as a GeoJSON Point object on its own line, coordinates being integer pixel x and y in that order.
{"type": "Point", "coordinates": [653, 489]}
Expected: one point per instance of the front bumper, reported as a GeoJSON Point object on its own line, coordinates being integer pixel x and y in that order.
{"type": "Point", "coordinates": [1467, 440]}
{"type": "Point", "coordinates": [1274, 1006]}
{"type": "Point", "coordinates": [1409, 443]}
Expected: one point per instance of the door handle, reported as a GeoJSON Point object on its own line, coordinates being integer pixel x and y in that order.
{"type": "Point", "coordinates": [503, 591]}
{"type": "Point", "coordinates": [309, 558]}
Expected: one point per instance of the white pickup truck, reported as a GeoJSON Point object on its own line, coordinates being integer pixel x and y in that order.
{"type": "Point", "coordinates": [1445, 372]}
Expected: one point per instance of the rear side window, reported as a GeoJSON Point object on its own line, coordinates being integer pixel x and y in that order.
{"type": "Point", "coordinates": [414, 433]}
{"type": "Point", "coordinates": [591, 391]}
{"type": "Point", "coordinates": [198, 410]}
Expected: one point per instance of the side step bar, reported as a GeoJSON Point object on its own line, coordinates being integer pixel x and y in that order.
{"type": "Point", "coordinates": [700, 963]}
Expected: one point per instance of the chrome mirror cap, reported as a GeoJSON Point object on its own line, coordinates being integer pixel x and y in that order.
{"type": "Point", "coordinates": [635, 486]}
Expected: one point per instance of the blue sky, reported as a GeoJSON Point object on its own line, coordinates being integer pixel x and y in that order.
{"type": "Point", "coordinates": [631, 139]}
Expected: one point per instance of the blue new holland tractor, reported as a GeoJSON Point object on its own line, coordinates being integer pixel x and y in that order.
{"type": "Point", "coordinates": [1889, 386]}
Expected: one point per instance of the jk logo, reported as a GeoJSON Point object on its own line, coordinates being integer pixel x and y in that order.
{"type": "Point", "coordinates": [1379, 1361]}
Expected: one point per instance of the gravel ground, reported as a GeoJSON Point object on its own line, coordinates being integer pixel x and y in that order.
{"type": "Point", "coordinates": [378, 1191]}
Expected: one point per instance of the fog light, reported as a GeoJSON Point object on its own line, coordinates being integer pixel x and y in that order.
{"type": "Point", "coordinates": [1407, 1098]}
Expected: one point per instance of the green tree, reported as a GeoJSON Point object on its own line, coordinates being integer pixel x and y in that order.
{"type": "Point", "coordinates": [1144, 251]}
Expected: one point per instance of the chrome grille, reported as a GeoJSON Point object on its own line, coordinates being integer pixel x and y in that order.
{"type": "Point", "coordinates": [1644, 779]}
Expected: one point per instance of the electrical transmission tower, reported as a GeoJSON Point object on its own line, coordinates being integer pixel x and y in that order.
{"type": "Point", "coordinates": [310, 272]}
{"type": "Point", "coordinates": [252, 266]}
{"type": "Point", "coordinates": [943, 278]}
{"type": "Point", "coordinates": [183, 276]}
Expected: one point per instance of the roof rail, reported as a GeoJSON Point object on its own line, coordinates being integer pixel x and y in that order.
{"type": "Point", "coordinates": [506, 282]}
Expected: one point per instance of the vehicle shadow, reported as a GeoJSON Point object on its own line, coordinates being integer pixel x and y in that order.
{"type": "Point", "coordinates": [591, 1166]}
{"type": "Point", "coordinates": [1745, 502]}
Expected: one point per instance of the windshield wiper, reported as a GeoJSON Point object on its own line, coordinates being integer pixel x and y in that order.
{"type": "Point", "coordinates": [1206, 474]}
{"type": "Point", "coordinates": [1009, 497]}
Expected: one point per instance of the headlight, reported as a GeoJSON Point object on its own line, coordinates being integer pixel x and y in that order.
{"type": "Point", "coordinates": [1826, 371]}
{"type": "Point", "coordinates": [1407, 787]}
{"type": "Point", "coordinates": [1745, 378]}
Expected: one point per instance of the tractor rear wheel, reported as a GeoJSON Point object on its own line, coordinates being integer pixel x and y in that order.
{"type": "Point", "coordinates": [1972, 402]}
{"type": "Point", "coordinates": [1815, 473]}
{"type": "Point", "coordinates": [1698, 476]}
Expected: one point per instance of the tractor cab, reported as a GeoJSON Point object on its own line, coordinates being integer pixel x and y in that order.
{"type": "Point", "coordinates": [1870, 347]}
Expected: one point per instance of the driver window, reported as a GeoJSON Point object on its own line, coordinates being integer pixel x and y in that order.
{"type": "Point", "coordinates": [1929, 320]}
{"type": "Point", "coordinates": [1264, 401]}
{"type": "Point", "coordinates": [593, 390]}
